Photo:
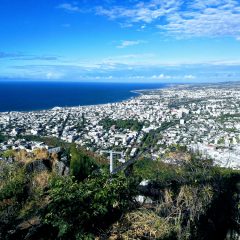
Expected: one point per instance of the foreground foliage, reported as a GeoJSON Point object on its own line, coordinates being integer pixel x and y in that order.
{"type": "Point", "coordinates": [90, 205]}
{"type": "Point", "coordinates": [189, 200]}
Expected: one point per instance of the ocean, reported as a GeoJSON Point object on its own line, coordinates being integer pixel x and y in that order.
{"type": "Point", "coordinates": [30, 95]}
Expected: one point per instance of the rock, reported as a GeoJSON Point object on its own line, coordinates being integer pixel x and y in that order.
{"type": "Point", "coordinates": [64, 159]}
{"type": "Point", "coordinates": [61, 168]}
{"type": "Point", "coordinates": [39, 166]}
{"type": "Point", "coordinates": [32, 229]}
{"type": "Point", "coordinates": [29, 223]}
{"type": "Point", "coordinates": [67, 171]}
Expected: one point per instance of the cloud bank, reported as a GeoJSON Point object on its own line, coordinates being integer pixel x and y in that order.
{"type": "Point", "coordinates": [197, 18]}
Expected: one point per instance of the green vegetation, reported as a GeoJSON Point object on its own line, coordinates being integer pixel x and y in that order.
{"type": "Point", "coordinates": [166, 125]}
{"type": "Point", "coordinates": [81, 164]}
{"type": "Point", "coordinates": [7, 154]}
{"type": "Point", "coordinates": [12, 182]}
{"type": "Point", "coordinates": [191, 195]}
{"type": "Point", "coordinates": [81, 124]}
{"type": "Point", "coordinates": [50, 141]}
{"type": "Point", "coordinates": [184, 101]}
{"type": "Point", "coordinates": [91, 204]}
{"type": "Point", "coordinates": [155, 170]}
{"type": "Point", "coordinates": [221, 141]}
{"type": "Point", "coordinates": [67, 208]}
{"type": "Point", "coordinates": [2, 138]}
{"type": "Point", "coordinates": [151, 138]}
{"type": "Point", "coordinates": [131, 124]}
{"type": "Point", "coordinates": [194, 171]}
{"type": "Point", "coordinates": [226, 117]}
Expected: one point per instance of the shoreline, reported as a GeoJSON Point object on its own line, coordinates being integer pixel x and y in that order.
{"type": "Point", "coordinates": [137, 93]}
{"type": "Point", "coordinates": [64, 107]}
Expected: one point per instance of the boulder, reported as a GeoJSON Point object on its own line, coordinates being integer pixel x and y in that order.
{"type": "Point", "coordinates": [39, 166]}
{"type": "Point", "coordinates": [61, 169]}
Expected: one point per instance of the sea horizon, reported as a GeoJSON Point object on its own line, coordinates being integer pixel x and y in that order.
{"type": "Point", "coordinates": [22, 96]}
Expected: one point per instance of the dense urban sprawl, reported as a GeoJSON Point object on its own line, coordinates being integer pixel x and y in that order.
{"type": "Point", "coordinates": [204, 118]}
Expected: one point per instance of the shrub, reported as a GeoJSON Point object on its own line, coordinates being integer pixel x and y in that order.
{"type": "Point", "coordinates": [80, 208]}
{"type": "Point", "coordinates": [81, 165]}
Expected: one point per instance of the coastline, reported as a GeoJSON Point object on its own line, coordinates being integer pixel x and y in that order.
{"type": "Point", "coordinates": [75, 106]}
{"type": "Point", "coordinates": [136, 93]}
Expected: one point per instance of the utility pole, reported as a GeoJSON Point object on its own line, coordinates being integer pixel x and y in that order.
{"type": "Point", "coordinates": [229, 161]}
{"type": "Point", "coordinates": [111, 157]}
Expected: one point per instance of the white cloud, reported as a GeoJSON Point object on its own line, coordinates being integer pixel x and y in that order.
{"type": "Point", "coordinates": [209, 18]}
{"type": "Point", "coordinates": [223, 20]}
{"type": "Point", "coordinates": [167, 77]}
{"type": "Point", "coordinates": [179, 18]}
{"type": "Point", "coordinates": [161, 76]}
{"type": "Point", "coordinates": [54, 75]}
{"type": "Point", "coordinates": [141, 12]}
{"type": "Point", "coordinates": [69, 7]}
{"type": "Point", "coordinates": [190, 77]}
{"type": "Point", "coordinates": [138, 77]}
{"type": "Point", "coordinates": [197, 18]}
{"type": "Point", "coordinates": [118, 70]}
{"type": "Point", "coordinates": [127, 43]}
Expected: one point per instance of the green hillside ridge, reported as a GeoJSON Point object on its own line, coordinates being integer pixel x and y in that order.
{"type": "Point", "coordinates": [189, 200]}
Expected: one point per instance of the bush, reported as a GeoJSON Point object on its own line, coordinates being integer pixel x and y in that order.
{"type": "Point", "coordinates": [13, 194]}
{"type": "Point", "coordinates": [12, 184]}
{"type": "Point", "coordinates": [158, 171]}
{"type": "Point", "coordinates": [79, 209]}
{"type": "Point", "coordinates": [81, 165]}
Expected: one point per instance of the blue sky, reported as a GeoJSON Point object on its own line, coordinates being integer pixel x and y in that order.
{"type": "Point", "coordinates": [113, 40]}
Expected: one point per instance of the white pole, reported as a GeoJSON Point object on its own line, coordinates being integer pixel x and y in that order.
{"type": "Point", "coordinates": [111, 161]}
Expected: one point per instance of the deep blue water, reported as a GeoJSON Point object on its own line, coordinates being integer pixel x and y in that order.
{"type": "Point", "coordinates": [29, 96]}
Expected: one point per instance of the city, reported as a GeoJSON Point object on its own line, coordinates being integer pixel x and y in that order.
{"type": "Point", "coordinates": [203, 118]}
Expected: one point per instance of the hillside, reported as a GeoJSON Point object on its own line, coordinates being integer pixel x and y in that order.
{"type": "Point", "coordinates": [71, 195]}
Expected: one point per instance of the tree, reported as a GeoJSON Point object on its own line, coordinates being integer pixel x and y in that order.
{"type": "Point", "coordinates": [131, 124]}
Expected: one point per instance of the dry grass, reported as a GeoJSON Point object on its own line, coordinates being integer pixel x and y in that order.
{"type": "Point", "coordinates": [181, 156]}
{"type": "Point", "coordinates": [36, 200]}
{"type": "Point", "coordinates": [41, 153]}
{"type": "Point", "coordinates": [40, 180]}
{"type": "Point", "coordinates": [29, 223]}
{"type": "Point", "coordinates": [190, 202]}
{"type": "Point", "coordinates": [24, 157]}
{"type": "Point", "coordinates": [141, 224]}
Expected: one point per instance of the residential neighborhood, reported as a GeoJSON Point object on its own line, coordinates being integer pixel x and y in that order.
{"type": "Point", "coordinates": [204, 118]}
